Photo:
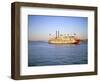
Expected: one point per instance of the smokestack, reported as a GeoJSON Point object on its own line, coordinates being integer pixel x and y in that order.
{"type": "Point", "coordinates": [56, 34]}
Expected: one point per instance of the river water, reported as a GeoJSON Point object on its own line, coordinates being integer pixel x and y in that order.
{"type": "Point", "coordinates": [43, 54]}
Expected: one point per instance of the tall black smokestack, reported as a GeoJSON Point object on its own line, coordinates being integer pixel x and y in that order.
{"type": "Point", "coordinates": [56, 34]}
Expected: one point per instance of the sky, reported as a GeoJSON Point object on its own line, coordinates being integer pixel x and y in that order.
{"type": "Point", "coordinates": [39, 26]}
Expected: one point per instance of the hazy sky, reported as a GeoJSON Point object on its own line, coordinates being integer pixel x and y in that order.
{"type": "Point", "coordinates": [39, 27]}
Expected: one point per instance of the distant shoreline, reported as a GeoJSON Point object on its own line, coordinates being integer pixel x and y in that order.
{"type": "Point", "coordinates": [81, 41]}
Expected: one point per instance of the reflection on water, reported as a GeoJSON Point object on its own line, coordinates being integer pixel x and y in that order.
{"type": "Point", "coordinates": [64, 45]}
{"type": "Point", "coordinates": [43, 54]}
